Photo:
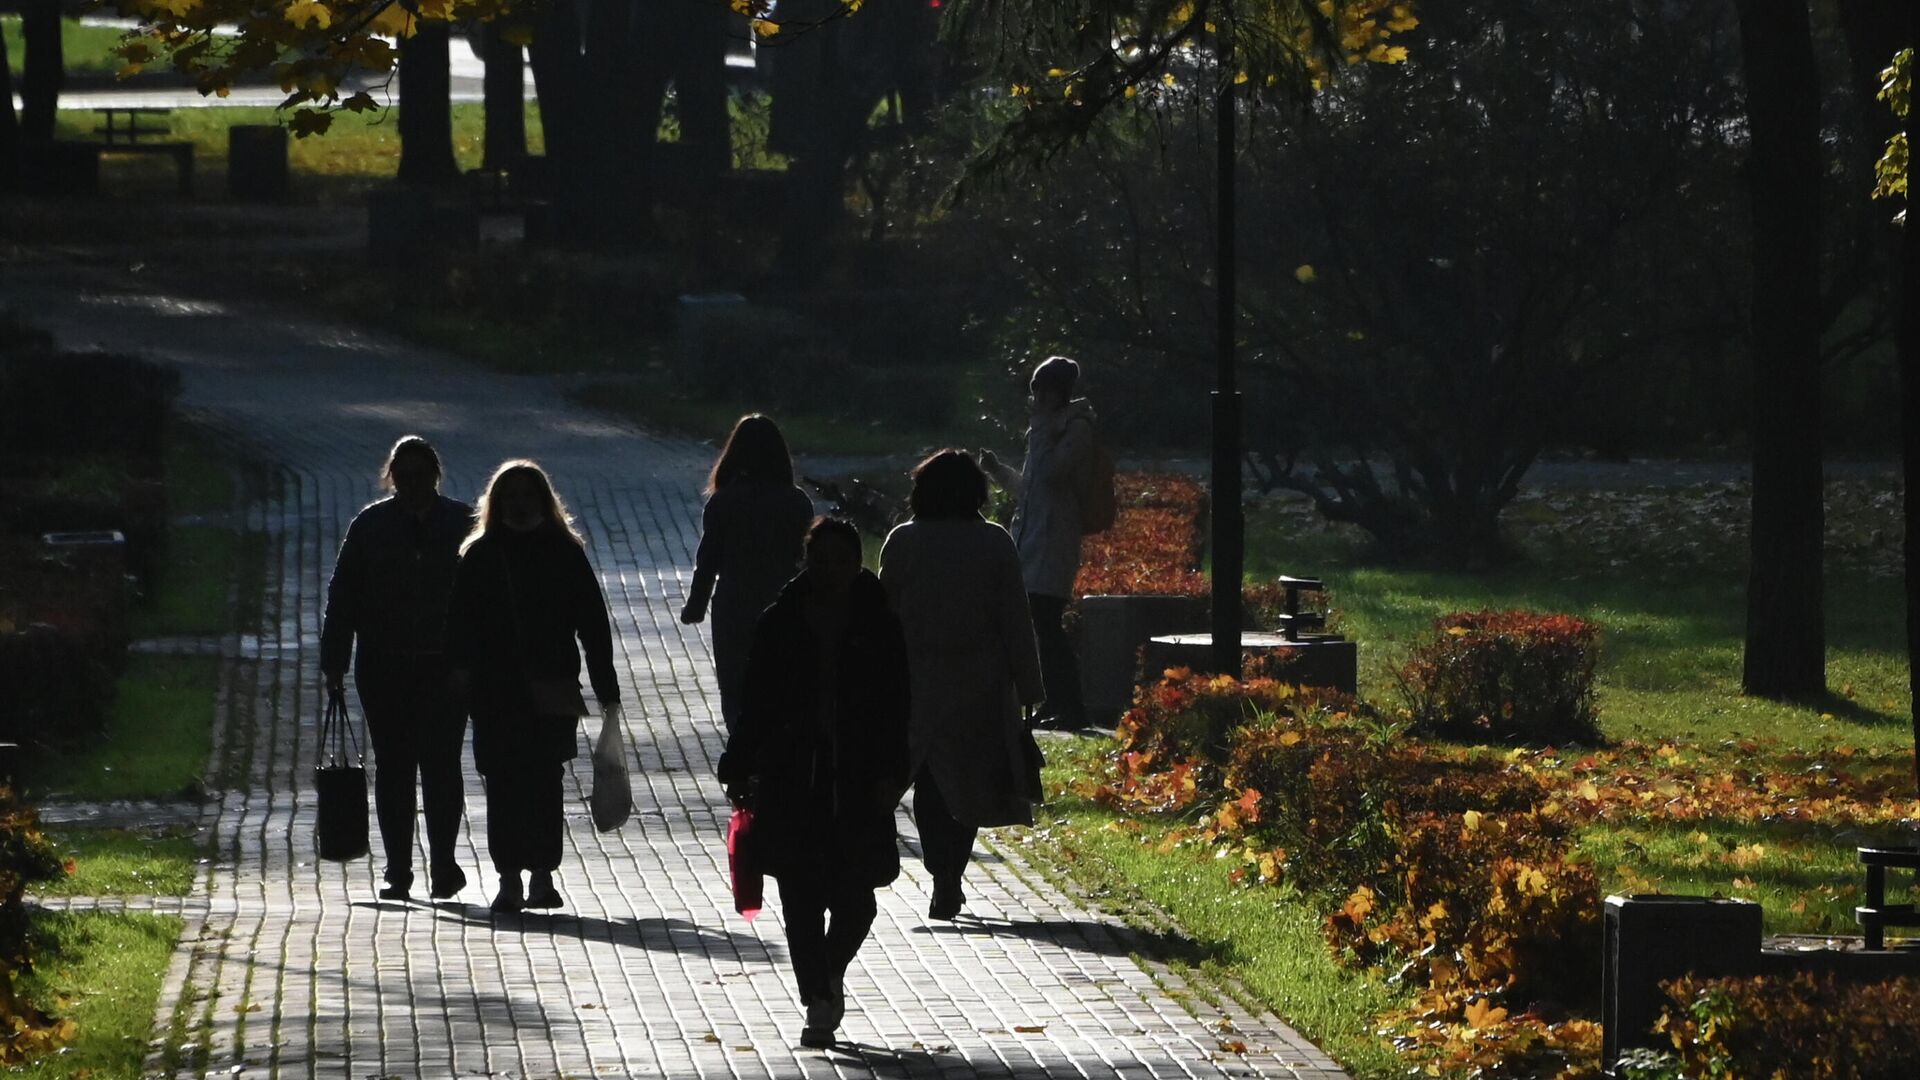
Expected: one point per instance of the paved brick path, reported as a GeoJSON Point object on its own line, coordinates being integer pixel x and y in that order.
{"type": "Point", "coordinates": [290, 967]}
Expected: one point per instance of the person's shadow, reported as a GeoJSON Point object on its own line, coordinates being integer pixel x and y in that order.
{"type": "Point", "coordinates": [1100, 938]}
{"type": "Point", "coordinates": [653, 933]}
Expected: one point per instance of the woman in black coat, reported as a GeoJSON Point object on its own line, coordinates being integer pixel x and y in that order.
{"type": "Point", "coordinates": [820, 753]}
{"type": "Point", "coordinates": [523, 595]}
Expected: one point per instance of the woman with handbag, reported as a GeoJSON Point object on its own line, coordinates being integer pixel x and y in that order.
{"type": "Point", "coordinates": [750, 537]}
{"type": "Point", "coordinates": [525, 605]}
{"type": "Point", "coordinates": [387, 615]}
{"type": "Point", "coordinates": [820, 756]}
{"type": "Point", "coordinates": [954, 577]}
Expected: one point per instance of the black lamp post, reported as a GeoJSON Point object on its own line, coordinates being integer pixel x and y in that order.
{"type": "Point", "coordinates": [1229, 525]}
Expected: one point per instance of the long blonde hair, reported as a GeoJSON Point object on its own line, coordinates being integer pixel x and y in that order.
{"type": "Point", "coordinates": [557, 513]}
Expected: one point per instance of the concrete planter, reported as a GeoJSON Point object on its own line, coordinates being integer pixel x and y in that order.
{"type": "Point", "coordinates": [1112, 631]}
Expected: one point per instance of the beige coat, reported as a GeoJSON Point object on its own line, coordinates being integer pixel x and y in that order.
{"type": "Point", "coordinates": [972, 662]}
{"type": "Point", "coordinates": [1046, 524]}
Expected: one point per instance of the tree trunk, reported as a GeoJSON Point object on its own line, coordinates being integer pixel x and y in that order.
{"type": "Point", "coordinates": [9, 123]}
{"type": "Point", "coordinates": [426, 113]}
{"type": "Point", "coordinates": [700, 82]}
{"type": "Point", "coordinates": [559, 82]}
{"type": "Point", "coordinates": [1786, 634]}
{"type": "Point", "coordinates": [506, 108]}
{"type": "Point", "coordinates": [622, 82]}
{"type": "Point", "coordinates": [1907, 342]}
{"type": "Point", "coordinates": [44, 70]}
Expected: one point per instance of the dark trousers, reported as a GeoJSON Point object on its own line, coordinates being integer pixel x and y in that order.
{"type": "Point", "coordinates": [526, 817]}
{"type": "Point", "coordinates": [417, 729]}
{"type": "Point", "coordinates": [946, 846]}
{"type": "Point", "coordinates": [1059, 668]}
{"type": "Point", "coordinates": [821, 951]}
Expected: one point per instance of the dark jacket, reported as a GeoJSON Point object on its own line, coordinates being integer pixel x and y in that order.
{"type": "Point", "coordinates": [520, 601]}
{"type": "Point", "coordinates": [391, 582]}
{"type": "Point", "coordinates": [824, 797]}
{"type": "Point", "coordinates": [752, 538]}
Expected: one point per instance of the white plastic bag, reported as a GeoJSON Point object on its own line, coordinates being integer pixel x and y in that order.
{"type": "Point", "coordinates": [612, 798]}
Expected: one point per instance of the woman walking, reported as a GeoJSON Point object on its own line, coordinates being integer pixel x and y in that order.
{"type": "Point", "coordinates": [750, 538]}
{"type": "Point", "coordinates": [388, 595]}
{"type": "Point", "coordinates": [820, 754]}
{"type": "Point", "coordinates": [955, 580]}
{"type": "Point", "coordinates": [524, 595]}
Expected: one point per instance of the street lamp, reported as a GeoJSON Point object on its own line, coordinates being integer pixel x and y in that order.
{"type": "Point", "coordinates": [1229, 524]}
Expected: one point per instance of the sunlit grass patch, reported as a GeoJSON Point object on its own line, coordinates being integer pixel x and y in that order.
{"type": "Point", "coordinates": [123, 862]}
{"type": "Point", "coordinates": [103, 970]}
{"type": "Point", "coordinates": [1266, 940]}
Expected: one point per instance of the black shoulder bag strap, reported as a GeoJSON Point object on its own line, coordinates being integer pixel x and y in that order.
{"type": "Point", "coordinates": [336, 733]}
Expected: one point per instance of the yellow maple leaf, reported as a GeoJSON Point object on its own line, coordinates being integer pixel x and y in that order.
{"type": "Point", "coordinates": [1483, 1014]}
{"type": "Point", "coordinates": [1472, 819]}
{"type": "Point", "coordinates": [765, 28]}
{"type": "Point", "coordinates": [305, 13]}
{"type": "Point", "coordinates": [393, 21]}
{"type": "Point", "coordinates": [1305, 274]}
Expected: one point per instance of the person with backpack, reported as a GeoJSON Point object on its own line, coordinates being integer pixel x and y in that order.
{"type": "Point", "coordinates": [1064, 491]}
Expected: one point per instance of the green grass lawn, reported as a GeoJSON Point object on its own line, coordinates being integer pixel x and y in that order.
{"type": "Point", "coordinates": [1669, 674]}
{"type": "Point", "coordinates": [103, 970]}
{"type": "Point", "coordinates": [84, 48]}
{"type": "Point", "coordinates": [1263, 939]}
{"type": "Point", "coordinates": [361, 151]}
{"type": "Point", "coordinates": [123, 862]}
{"type": "Point", "coordinates": [157, 739]}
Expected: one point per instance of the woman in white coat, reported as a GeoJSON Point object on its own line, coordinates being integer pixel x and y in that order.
{"type": "Point", "coordinates": [955, 581]}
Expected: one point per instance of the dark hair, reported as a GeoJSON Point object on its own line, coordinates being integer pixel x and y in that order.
{"type": "Point", "coordinates": [409, 444]}
{"type": "Point", "coordinates": [825, 526]}
{"type": "Point", "coordinates": [948, 485]}
{"type": "Point", "coordinates": [755, 449]}
{"type": "Point", "coordinates": [1057, 373]}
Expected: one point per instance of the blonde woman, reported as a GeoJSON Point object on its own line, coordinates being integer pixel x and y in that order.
{"type": "Point", "coordinates": [526, 605]}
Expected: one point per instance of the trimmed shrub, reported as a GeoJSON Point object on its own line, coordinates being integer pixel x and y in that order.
{"type": "Point", "coordinates": [55, 685]}
{"type": "Point", "coordinates": [1154, 546]}
{"type": "Point", "coordinates": [25, 858]}
{"type": "Point", "coordinates": [1510, 676]}
{"type": "Point", "coordinates": [65, 404]}
{"type": "Point", "coordinates": [1169, 740]}
{"type": "Point", "coordinates": [1802, 1026]}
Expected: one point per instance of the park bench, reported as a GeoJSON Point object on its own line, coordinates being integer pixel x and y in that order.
{"type": "Point", "coordinates": [125, 138]}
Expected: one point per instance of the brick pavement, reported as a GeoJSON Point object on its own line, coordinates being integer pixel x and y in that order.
{"type": "Point", "coordinates": [291, 968]}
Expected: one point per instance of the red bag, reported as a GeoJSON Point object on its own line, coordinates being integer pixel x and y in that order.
{"type": "Point", "coordinates": [748, 885]}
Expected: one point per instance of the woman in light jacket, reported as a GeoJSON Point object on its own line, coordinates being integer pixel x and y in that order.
{"type": "Point", "coordinates": [751, 534]}
{"type": "Point", "coordinates": [1047, 525]}
{"type": "Point", "coordinates": [955, 580]}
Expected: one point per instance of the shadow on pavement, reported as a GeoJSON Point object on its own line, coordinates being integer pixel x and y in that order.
{"type": "Point", "coordinates": [1103, 939]}
{"type": "Point", "coordinates": [657, 934]}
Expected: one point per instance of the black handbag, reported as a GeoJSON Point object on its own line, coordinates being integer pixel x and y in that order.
{"type": "Point", "coordinates": [341, 783]}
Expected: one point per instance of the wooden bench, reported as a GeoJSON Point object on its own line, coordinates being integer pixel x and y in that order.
{"type": "Point", "coordinates": [125, 138]}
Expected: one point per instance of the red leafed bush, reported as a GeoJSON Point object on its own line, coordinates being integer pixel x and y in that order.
{"type": "Point", "coordinates": [1180, 726]}
{"type": "Point", "coordinates": [25, 858]}
{"type": "Point", "coordinates": [1154, 545]}
{"type": "Point", "coordinates": [1517, 676]}
{"type": "Point", "coordinates": [1803, 1026]}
